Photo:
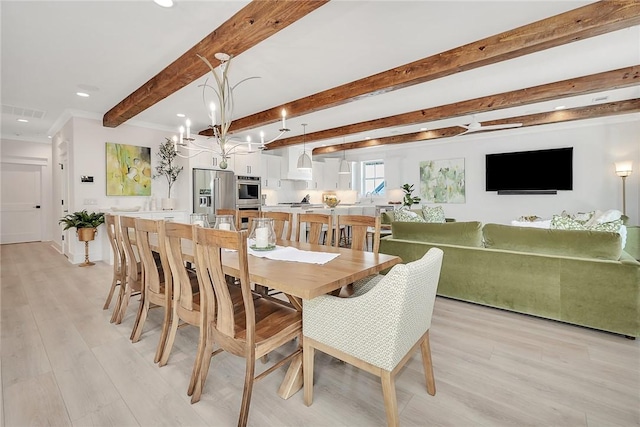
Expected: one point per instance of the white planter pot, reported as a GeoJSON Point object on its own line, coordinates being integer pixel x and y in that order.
{"type": "Point", "coordinates": [168, 204]}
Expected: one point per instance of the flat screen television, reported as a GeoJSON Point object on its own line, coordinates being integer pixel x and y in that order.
{"type": "Point", "coordinates": [530, 172]}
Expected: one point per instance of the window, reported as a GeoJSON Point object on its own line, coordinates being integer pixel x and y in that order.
{"type": "Point", "coordinates": [373, 177]}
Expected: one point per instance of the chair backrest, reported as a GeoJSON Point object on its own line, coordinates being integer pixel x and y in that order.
{"type": "Point", "coordinates": [315, 225]}
{"type": "Point", "coordinates": [150, 233]}
{"type": "Point", "coordinates": [247, 214]}
{"type": "Point", "coordinates": [282, 223]}
{"type": "Point", "coordinates": [178, 236]}
{"type": "Point", "coordinates": [226, 212]}
{"type": "Point", "coordinates": [112, 223]}
{"type": "Point", "coordinates": [361, 226]}
{"type": "Point", "coordinates": [209, 247]}
{"type": "Point", "coordinates": [128, 231]}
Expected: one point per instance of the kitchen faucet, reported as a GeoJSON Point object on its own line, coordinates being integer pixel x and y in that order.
{"type": "Point", "coordinates": [370, 194]}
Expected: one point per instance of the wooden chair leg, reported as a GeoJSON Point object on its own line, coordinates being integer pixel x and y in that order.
{"type": "Point", "coordinates": [308, 353]}
{"type": "Point", "coordinates": [117, 306]}
{"type": "Point", "coordinates": [204, 370]}
{"type": "Point", "coordinates": [124, 304]}
{"type": "Point", "coordinates": [164, 334]}
{"type": "Point", "coordinates": [246, 394]}
{"type": "Point", "coordinates": [198, 362]}
{"type": "Point", "coordinates": [171, 337]}
{"type": "Point", "coordinates": [390, 400]}
{"type": "Point", "coordinates": [425, 348]}
{"type": "Point", "coordinates": [115, 282]}
{"type": "Point", "coordinates": [141, 317]}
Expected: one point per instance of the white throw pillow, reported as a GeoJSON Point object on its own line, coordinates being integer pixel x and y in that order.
{"type": "Point", "coordinates": [608, 216]}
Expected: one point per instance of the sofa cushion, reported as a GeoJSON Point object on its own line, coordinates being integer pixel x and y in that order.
{"type": "Point", "coordinates": [405, 215]}
{"type": "Point", "coordinates": [433, 214]}
{"type": "Point", "coordinates": [571, 243]}
{"type": "Point", "coordinates": [453, 233]}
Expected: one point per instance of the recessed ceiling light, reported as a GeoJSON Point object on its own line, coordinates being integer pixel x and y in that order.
{"type": "Point", "coordinates": [49, 136]}
{"type": "Point", "coordinates": [164, 3]}
{"type": "Point", "coordinates": [561, 107]}
{"type": "Point", "coordinates": [23, 120]}
{"type": "Point", "coordinates": [423, 129]}
{"type": "Point", "coordinates": [82, 94]}
{"type": "Point", "coordinates": [367, 137]}
{"type": "Point", "coordinates": [180, 115]}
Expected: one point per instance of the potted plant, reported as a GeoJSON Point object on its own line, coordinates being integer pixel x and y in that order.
{"type": "Point", "coordinates": [167, 155]}
{"type": "Point", "coordinates": [86, 225]}
{"type": "Point", "coordinates": [409, 199]}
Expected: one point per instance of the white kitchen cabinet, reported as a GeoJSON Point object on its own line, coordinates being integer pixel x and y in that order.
{"type": "Point", "coordinates": [344, 182]}
{"type": "Point", "coordinates": [317, 173]}
{"type": "Point", "coordinates": [330, 175]}
{"type": "Point", "coordinates": [247, 164]}
{"type": "Point", "coordinates": [271, 171]}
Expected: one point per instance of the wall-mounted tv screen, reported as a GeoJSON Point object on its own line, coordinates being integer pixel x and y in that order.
{"type": "Point", "coordinates": [541, 171]}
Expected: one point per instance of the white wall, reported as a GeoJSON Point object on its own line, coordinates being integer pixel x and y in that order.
{"type": "Point", "coordinates": [595, 184]}
{"type": "Point", "coordinates": [34, 153]}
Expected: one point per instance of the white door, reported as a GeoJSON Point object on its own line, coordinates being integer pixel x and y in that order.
{"type": "Point", "coordinates": [20, 213]}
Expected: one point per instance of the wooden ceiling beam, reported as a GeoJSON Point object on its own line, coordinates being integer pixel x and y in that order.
{"type": "Point", "coordinates": [256, 22]}
{"type": "Point", "coordinates": [608, 80]}
{"type": "Point", "coordinates": [588, 21]}
{"type": "Point", "coordinates": [580, 113]}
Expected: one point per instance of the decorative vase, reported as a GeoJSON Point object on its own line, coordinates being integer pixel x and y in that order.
{"type": "Point", "coordinates": [262, 235]}
{"type": "Point", "coordinates": [168, 204]}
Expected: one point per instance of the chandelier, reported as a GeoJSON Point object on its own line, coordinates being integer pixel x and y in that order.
{"type": "Point", "coordinates": [220, 144]}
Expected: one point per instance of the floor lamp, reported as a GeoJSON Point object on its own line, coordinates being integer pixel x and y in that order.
{"type": "Point", "coordinates": [623, 170]}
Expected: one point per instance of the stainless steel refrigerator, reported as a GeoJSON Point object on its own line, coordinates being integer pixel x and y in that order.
{"type": "Point", "coordinates": [212, 190]}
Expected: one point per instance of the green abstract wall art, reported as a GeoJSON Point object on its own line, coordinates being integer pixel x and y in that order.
{"type": "Point", "coordinates": [128, 170]}
{"type": "Point", "coordinates": [442, 181]}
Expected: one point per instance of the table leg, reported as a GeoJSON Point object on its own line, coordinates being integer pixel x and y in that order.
{"type": "Point", "coordinates": [293, 380]}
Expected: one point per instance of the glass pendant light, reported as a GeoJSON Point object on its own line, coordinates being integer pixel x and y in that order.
{"type": "Point", "coordinates": [304, 161]}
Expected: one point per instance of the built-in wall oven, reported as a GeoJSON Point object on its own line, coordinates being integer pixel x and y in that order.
{"type": "Point", "coordinates": [249, 191]}
{"type": "Point", "coordinates": [248, 197]}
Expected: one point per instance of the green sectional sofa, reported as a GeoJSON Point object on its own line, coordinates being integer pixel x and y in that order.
{"type": "Point", "coordinates": [573, 276]}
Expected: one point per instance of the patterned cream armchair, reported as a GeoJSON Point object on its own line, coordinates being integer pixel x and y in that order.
{"type": "Point", "coordinates": [380, 329]}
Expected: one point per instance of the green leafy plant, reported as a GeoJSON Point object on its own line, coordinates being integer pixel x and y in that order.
{"type": "Point", "coordinates": [166, 167]}
{"type": "Point", "coordinates": [82, 219]}
{"type": "Point", "coordinates": [408, 198]}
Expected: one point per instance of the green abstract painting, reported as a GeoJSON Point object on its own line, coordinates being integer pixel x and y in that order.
{"type": "Point", "coordinates": [128, 170]}
{"type": "Point", "coordinates": [442, 181]}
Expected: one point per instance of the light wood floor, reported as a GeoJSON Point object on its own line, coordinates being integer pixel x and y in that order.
{"type": "Point", "coordinates": [63, 363]}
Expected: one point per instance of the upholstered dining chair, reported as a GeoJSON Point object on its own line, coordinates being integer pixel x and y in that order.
{"type": "Point", "coordinates": [249, 330]}
{"type": "Point", "coordinates": [112, 224]}
{"type": "Point", "coordinates": [157, 280]}
{"type": "Point", "coordinates": [186, 307]}
{"type": "Point", "coordinates": [317, 228]}
{"type": "Point", "coordinates": [378, 331]}
{"type": "Point", "coordinates": [134, 273]}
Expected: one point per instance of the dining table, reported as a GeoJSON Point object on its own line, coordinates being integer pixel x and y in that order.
{"type": "Point", "coordinates": [300, 281]}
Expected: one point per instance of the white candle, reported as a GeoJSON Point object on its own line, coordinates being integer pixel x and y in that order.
{"type": "Point", "coordinates": [262, 237]}
{"type": "Point", "coordinates": [188, 128]}
{"type": "Point", "coordinates": [175, 143]}
{"type": "Point", "coordinates": [212, 107]}
{"type": "Point", "coordinates": [284, 115]}
{"type": "Point", "coordinates": [224, 226]}
{"type": "Point", "coordinates": [181, 133]}
{"type": "Point", "coordinates": [262, 137]}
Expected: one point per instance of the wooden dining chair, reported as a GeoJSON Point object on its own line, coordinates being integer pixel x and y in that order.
{"type": "Point", "coordinates": [186, 307]}
{"type": "Point", "coordinates": [317, 226]}
{"type": "Point", "coordinates": [282, 223]}
{"type": "Point", "coordinates": [361, 227]}
{"type": "Point", "coordinates": [247, 214]}
{"type": "Point", "coordinates": [157, 280]}
{"type": "Point", "coordinates": [251, 330]}
{"type": "Point", "coordinates": [134, 273]}
{"type": "Point", "coordinates": [378, 331]}
{"type": "Point", "coordinates": [112, 224]}
{"type": "Point", "coordinates": [231, 212]}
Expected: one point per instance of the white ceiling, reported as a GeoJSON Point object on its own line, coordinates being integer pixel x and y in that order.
{"type": "Point", "coordinates": [52, 49]}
